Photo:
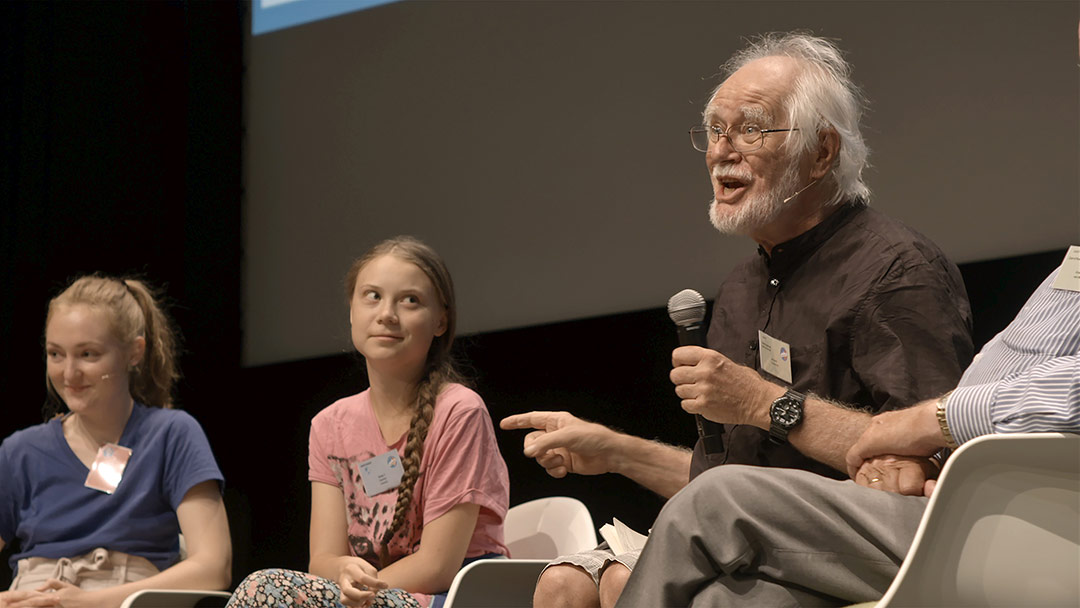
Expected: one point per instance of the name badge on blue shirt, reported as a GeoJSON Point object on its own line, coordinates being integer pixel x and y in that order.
{"type": "Point", "coordinates": [108, 468]}
{"type": "Point", "coordinates": [381, 473]}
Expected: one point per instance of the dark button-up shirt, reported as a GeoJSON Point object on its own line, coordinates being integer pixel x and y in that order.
{"type": "Point", "coordinates": [874, 313]}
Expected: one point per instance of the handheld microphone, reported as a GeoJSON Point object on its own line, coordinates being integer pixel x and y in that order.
{"type": "Point", "coordinates": [687, 311]}
{"type": "Point", "coordinates": [812, 182]}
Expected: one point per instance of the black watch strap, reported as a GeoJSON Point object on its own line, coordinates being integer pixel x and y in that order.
{"type": "Point", "coordinates": [785, 414]}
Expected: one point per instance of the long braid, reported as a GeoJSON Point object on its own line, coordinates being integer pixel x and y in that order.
{"type": "Point", "coordinates": [427, 392]}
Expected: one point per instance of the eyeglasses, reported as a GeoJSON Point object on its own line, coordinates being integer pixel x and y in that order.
{"type": "Point", "coordinates": [744, 138]}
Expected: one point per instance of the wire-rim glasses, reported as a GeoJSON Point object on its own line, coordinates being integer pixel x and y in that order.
{"type": "Point", "coordinates": [745, 137]}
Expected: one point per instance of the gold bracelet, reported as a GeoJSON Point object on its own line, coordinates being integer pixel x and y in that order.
{"type": "Point", "coordinates": [943, 423]}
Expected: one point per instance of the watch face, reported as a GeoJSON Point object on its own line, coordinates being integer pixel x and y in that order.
{"type": "Point", "coordinates": [786, 412]}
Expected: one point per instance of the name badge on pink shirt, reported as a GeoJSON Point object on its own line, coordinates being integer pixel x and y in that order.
{"type": "Point", "coordinates": [381, 473]}
{"type": "Point", "coordinates": [108, 468]}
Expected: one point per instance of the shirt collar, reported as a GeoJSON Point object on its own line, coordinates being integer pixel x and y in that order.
{"type": "Point", "coordinates": [788, 256]}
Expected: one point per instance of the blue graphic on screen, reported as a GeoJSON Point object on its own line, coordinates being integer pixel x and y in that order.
{"type": "Point", "coordinates": [271, 15]}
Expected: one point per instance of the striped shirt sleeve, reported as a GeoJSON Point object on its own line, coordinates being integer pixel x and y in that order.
{"type": "Point", "coordinates": [1044, 398]}
{"type": "Point", "coordinates": [1027, 379]}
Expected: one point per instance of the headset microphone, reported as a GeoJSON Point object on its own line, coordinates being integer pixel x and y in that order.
{"type": "Point", "coordinates": [812, 182]}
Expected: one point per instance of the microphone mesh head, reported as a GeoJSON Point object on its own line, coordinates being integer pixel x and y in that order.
{"type": "Point", "coordinates": [686, 308]}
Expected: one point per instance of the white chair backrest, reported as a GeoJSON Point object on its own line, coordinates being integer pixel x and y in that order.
{"type": "Point", "coordinates": [546, 528]}
{"type": "Point", "coordinates": [1001, 529]}
{"type": "Point", "coordinates": [535, 532]}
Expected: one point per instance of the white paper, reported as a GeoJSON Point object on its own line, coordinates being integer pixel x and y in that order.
{"type": "Point", "coordinates": [621, 537]}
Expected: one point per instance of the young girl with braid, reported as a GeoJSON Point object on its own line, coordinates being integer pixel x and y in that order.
{"type": "Point", "coordinates": [377, 541]}
{"type": "Point", "coordinates": [98, 494]}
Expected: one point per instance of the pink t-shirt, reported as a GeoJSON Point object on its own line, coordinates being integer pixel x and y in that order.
{"type": "Point", "coordinates": [461, 464]}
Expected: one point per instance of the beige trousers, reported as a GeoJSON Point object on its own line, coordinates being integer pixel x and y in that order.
{"type": "Point", "coordinates": [95, 570]}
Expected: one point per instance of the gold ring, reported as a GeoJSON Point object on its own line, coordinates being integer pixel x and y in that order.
{"type": "Point", "coordinates": [875, 480]}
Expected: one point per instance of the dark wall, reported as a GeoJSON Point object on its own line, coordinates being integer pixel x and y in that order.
{"type": "Point", "coordinates": [121, 154]}
{"type": "Point", "coordinates": [121, 128]}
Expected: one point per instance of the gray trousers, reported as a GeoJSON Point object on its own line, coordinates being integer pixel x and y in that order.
{"type": "Point", "coordinates": [753, 536]}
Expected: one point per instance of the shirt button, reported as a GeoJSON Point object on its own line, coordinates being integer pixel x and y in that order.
{"type": "Point", "coordinates": [774, 282]}
{"type": "Point", "coordinates": [753, 346]}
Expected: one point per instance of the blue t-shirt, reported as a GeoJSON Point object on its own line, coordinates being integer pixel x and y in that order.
{"type": "Point", "coordinates": [44, 504]}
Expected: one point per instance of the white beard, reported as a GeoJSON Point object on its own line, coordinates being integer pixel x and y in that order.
{"type": "Point", "coordinates": [757, 210]}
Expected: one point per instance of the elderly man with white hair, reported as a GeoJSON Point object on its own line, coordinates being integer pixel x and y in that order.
{"type": "Point", "coordinates": [750, 536]}
{"type": "Point", "coordinates": [840, 302]}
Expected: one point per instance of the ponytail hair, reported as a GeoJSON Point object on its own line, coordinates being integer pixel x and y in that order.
{"type": "Point", "coordinates": [133, 309]}
{"type": "Point", "coordinates": [438, 368]}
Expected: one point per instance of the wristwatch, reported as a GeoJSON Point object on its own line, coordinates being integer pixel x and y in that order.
{"type": "Point", "coordinates": [785, 414]}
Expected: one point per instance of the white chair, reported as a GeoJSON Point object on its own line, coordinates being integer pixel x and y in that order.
{"type": "Point", "coordinates": [1001, 529]}
{"type": "Point", "coordinates": [536, 532]}
{"type": "Point", "coordinates": [546, 528]}
{"type": "Point", "coordinates": [175, 598]}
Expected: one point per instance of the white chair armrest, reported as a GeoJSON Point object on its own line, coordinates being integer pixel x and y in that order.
{"type": "Point", "coordinates": [495, 583]}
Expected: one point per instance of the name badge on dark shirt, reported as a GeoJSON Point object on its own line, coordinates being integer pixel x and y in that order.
{"type": "Point", "coordinates": [775, 356]}
{"type": "Point", "coordinates": [108, 468]}
{"type": "Point", "coordinates": [381, 473]}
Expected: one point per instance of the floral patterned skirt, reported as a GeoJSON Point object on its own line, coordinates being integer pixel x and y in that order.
{"type": "Point", "coordinates": [278, 588]}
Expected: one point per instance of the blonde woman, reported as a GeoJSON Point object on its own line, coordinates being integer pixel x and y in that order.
{"type": "Point", "coordinates": [98, 494]}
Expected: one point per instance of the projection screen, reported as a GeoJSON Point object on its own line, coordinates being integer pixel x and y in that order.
{"type": "Point", "coordinates": [542, 147]}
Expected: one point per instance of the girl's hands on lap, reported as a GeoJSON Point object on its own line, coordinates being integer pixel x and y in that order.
{"type": "Point", "coordinates": [10, 598]}
{"type": "Point", "coordinates": [359, 582]}
{"type": "Point", "coordinates": [25, 598]}
{"type": "Point", "coordinates": [60, 594]}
